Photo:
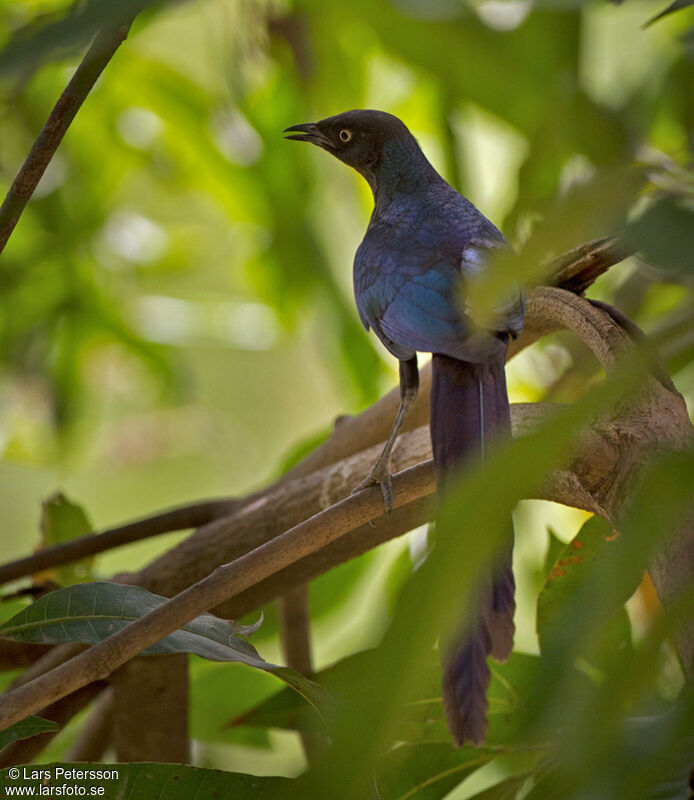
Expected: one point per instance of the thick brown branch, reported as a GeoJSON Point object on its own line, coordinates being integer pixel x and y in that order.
{"type": "Point", "coordinates": [97, 57]}
{"type": "Point", "coordinates": [48, 661]}
{"type": "Point", "coordinates": [290, 503]}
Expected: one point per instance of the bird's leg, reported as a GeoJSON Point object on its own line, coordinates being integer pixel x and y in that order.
{"type": "Point", "coordinates": [409, 384]}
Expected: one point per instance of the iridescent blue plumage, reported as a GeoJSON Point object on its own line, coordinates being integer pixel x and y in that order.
{"type": "Point", "coordinates": [410, 271]}
{"type": "Point", "coordinates": [423, 244]}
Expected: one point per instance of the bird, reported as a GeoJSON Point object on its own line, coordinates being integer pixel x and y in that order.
{"type": "Point", "coordinates": [424, 244]}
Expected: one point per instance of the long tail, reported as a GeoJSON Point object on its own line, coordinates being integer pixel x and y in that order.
{"type": "Point", "coordinates": [469, 407]}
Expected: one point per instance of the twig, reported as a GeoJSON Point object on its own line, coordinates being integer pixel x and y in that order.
{"type": "Point", "coordinates": [576, 270]}
{"type": "Point", "coordinates": [176, 519]}
{"type": "Point", "coordinates": [97, 57]}
{"type": "Point", "coordinates": [102, 659]}
{"type": "Point", "coordinates": [295, 630]}
{"type": "Point", "coordinates": [295, 635]}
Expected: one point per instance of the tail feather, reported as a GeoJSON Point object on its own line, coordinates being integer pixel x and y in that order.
{"type": "Point", "coordinates": [469, 407]}
{"type": "Point", "coordinates": [465, 679]}
{"type": "Point", "coordinates": [501, 627]}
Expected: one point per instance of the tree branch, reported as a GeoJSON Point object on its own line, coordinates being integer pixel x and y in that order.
{"type": "Point", "coordinates": [295, 636]}
{"type": "Point", "coordinates": [576, 270]}
{"type": "Point", "coordinates": [97, 57]}
{"type": "Point", "coordinates": [599, 476]}
{"type": "Point", "coordinates": [295, 629]}
{"type": "Point", "coordinates": [352, 434]}
{"type": "Point", "coordinates": [177, 519]}
{"type": "Point", "coordinates": [101, 660]}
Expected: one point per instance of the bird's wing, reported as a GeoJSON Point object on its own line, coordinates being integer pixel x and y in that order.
{"type": "Point", "coordinates": [414, 301]}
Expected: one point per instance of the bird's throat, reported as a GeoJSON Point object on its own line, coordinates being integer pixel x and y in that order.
{"type": "Point", "coordinates": [402, 168]}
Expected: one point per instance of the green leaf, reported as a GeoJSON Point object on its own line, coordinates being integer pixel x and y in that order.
{"type": "Point", "coordinates": [596, 745]}
{"type": "Point", "coordinates": [568, 573]}
{"type": "Point", "coordinates": [664, 233]}
{"type": "Point", "coordinates": [25, 729]}
{"type": "Point", "coordinates": [145, 781]}
{"type": "Point", "coordinates": [556, 546]}
{"type": "Point", "coordinates": [221, 691]}
{"type": "Point", "coordinates": [286, 710]}
{"type": "Point", "coordinates": [611, 648]}
{"type": "Point", "coordinates": [426, 771]}
{"type": "Point", "coordinates": [420, 716]}
{"type": "Point", "coordinates": [61, 521]}
{"type": "Point", "coordinates": [658, 752]}
{"type": "Point", "coordinates": [91, 612]}
{"type": "Point", "coordinates": [36, 43]}
{"type": "Point", "coordinates": [587, 211]}
{"type": "Point", "coordinates": [506, 790]}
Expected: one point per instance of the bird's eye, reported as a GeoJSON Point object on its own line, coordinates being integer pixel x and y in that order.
{"type": "Point", "coordinates": [345, 135]}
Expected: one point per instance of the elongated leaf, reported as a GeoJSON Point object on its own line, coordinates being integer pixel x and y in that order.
{"type": "Point", "coordinates": [426, 771]}
{"type": "Point", "coordinates": [506, 790]}
{"type": "Point", "coordinates": [592, 210]}
{"type": "Point", "coordinates": [140, 781]}
{"type": "Point", "coordinates": [61, 521]}
{"type": "Point", "coordinates": [658, 753]}
{"type": "Point", "coordinates": [569, 571]}
{"type": "Point", "coordinates": [556, 547]}
{"type": "Point", "coordinates": [25, 729]}
{"type": "Point", "coordinates": [36, 43]}
{"type": "Point", "coordinates": [90, 612]}
{"type": "Point", "coordinates": [664, 233]}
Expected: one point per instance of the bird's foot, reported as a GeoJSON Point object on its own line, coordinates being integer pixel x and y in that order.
{"type": "Point", "coordinates": [379, 476]}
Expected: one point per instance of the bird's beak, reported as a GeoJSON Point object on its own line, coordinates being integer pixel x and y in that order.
{"type": "Point", "coordinates": [307, 132]}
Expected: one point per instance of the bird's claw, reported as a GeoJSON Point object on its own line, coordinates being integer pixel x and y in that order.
{"type": "Point", "coordinates": [379, 476]}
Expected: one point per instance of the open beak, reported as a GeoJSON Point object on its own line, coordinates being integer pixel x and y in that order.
{"type": "Point", "coordinates": [307, 132]}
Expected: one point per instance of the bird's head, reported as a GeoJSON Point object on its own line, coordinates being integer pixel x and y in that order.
{"type": "Point", "coordinates": [375, 143]}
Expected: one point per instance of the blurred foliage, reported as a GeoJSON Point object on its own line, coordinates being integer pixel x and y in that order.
{"type": "Point", "coordinates": [176, 319]}
{"type": "Point", "coordinates": [62, 520]}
